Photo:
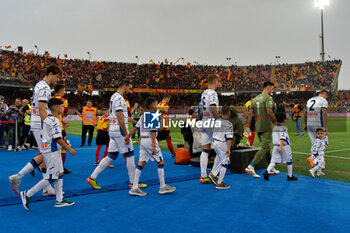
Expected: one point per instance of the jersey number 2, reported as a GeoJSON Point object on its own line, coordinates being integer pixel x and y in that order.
{"type": "Point", "coordinates": [312, 105]}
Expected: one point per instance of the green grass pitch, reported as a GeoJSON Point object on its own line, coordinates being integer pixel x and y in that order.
{"type": "Point", "coordinates": [337, 154]}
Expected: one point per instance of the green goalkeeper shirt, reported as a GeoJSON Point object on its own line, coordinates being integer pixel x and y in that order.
{"type": "Point", "coordinates": [260, 104]}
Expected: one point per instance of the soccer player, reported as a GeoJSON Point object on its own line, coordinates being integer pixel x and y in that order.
{"type": "Point", "coordinates": [251, 137]}
{"type": "Point", "coordinates": [164, 134]}
{"type": "Point", "coordinates": [262, 109]}
{"type": "Point", "coordinates": [210, 108]}
{"type": "Point", "coordinates": [51, 144]}
{"type": "Point", "coordinates": [40, 110]}
{"type": "Point", "coordinates": [222, 146]}
{"type": "Point", "coordinates": [149, 150]}
{"type": "Point", "coordinates": [315, 115]}
{"type": "Point", "coordinates": [118, 118]}
{"type": "Point", "coordinates": [59, 93]}
{"type": "Point", "coordinates": [317, 153]}
{"type": "Point", "coordinates": [102, 137]}
{"type": "Point", "coordinates": [281, 151]}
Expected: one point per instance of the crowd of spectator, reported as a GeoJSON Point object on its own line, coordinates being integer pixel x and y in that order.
{"type": "Point", "coordinates": [29, 68]}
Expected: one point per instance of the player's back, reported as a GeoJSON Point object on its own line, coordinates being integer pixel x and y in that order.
{"type": "Point", "coordinates": [41, 92]}
{"type": "Point", "coordinates": [260, 104]}
{"type": "Point", "coordinates": [209, 97]}
{"type": "Point", "coordinates": [314, 108]}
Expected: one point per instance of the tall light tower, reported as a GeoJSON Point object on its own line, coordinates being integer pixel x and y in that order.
{"type": "Point", "coordinates": [322, 4]}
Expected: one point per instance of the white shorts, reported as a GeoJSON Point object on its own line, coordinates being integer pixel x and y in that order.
{"type": "Point", "coordinates": [117, 144]}
{"type": "Point", "coordinates": [37, 136]}
{"type": "Point", "coordinates": [207, 136]}
{"type": "Point", "coordinates": [220, 150]}
{"type": "Point", "coordinates": [284, 157]}
{"type": "Point", "coordinates": [146, 151]}
{"type": "Point", "coordinates": [54, 165]}
{"type": "Point", "coordinates": [319, 160]}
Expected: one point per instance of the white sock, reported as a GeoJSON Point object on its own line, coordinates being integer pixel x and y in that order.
{"type": "Point", "coordinates": [138, 171]}
{"type": "Point", "coordinates": [40, 185]}
{"type": "Point", "coordinates": [216, 166]}
{"type": "Point", "coordinates": [130, 165]}
{"type": "Point", "coordinates": [270, 167]}
{"type": "Point", "coordinates": [204, 163]}
{"type": "Point", "coordinates": [290, 170]}
{"type": "Point", "coordinates": [101, 166]}
{"type": "Point", "coordinates": [47, 186]}
{"type": "Point", "coordinates": [222, 174]}
{"type": "Point", "coordinates": [27, 168]}
{"type": "Point", "coordinates": [58, 189]}
{"type": "Point", "coordinates": [161, 176]}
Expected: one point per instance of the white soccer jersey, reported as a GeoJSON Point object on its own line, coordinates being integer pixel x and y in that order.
{"type": "Point", "coordinates": [41, 93]}
{"type": "Point", "coordinates": [318, 147]}
{"type": "Point", "coordinates": [50, 133]}
{"type": "Point", "coordinates": [209, 97]}
{"type": "Point", "coordinates": [224, 132]}
{"type": "Point", "coordinates": [144, 132]}
{"type": "Point", "coordinates": [280, 133]}
{"type": "Point", "coordinates": [314, 108]}
{"type": "Point", "coordinates": [117, 103]}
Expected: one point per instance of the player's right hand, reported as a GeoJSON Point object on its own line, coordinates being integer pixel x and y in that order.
{"type": "Point", "coordinates": [72, 151]}
{"type": "Point", "coordinates": [153, 151]}
{"type": "Point", "coordinates": [247, 132]}
{"type": "Point", "coordinates": [127, 140]}
{"type": "Point", "coordinates": [279, 149]}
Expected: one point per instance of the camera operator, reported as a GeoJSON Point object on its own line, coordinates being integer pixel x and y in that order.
{"type": "Point", "coordinates": [15, 114]}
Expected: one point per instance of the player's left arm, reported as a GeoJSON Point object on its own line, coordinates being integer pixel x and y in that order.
{"type": "Point", "coordinates": [271, 115]}
{"type": "Point", "coordinates": [121, 122]}
{"type": "Point", "coordinates": [42, 110]}
{"type": "Point", "coordinates": [269, 110]}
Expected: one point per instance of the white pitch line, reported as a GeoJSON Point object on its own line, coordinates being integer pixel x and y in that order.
{"type": "Point", "coordinates": [336, 157]}
{"type": "Point", "coordinates": [330, 156]}
{"type": "Point", "coordinates": [338, 150]}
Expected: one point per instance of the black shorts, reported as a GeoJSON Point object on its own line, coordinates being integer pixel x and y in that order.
{"type": "Point", "coordinates": [102, 138]}
{"type": "Point", "coordinates": [163, 135]}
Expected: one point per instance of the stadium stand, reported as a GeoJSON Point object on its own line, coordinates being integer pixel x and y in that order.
{"type": "Point", "coordinates": [27, 68]}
